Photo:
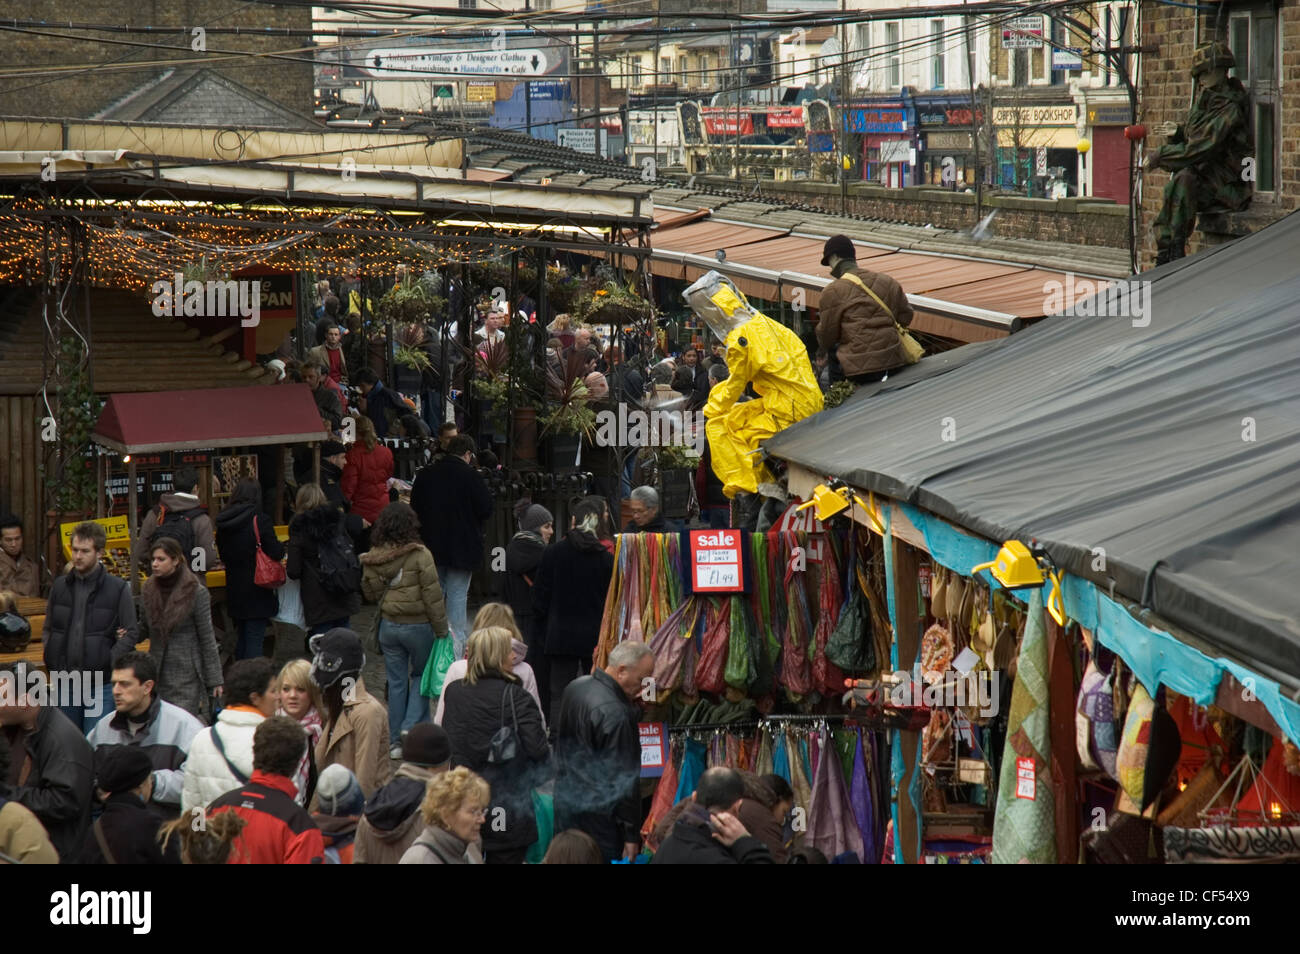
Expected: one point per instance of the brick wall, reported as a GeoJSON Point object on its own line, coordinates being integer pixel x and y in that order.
{"type": "Point", "coordinates": [1166, 94]}
{"type": "Point", "coordinates": [85, 93]}
{"type": "Point", "coordinates": [1078, 221]}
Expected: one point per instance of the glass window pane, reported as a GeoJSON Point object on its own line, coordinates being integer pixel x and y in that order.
{"type": "Point", "coordinates": [1265, 51]}
{"type": "Point", "coordinates": [1239, 41]}
{"type": "Point", "coordinates": [1264, 145]}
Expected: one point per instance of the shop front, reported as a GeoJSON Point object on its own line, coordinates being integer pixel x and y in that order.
{"type": "Point", "coordinates": [1107, 173]}
{"type": "Point", "coordinates": [885, 137]}
{"type": "Point", "coordinates": [1036, 148]}
{"type": "Point", "coordinates": [947, 154]}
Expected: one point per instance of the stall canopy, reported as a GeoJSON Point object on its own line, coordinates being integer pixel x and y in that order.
{"type": "Point", "coordinates": [1160, 452]}
{"type": "Point", "coordinates": [213, 417]}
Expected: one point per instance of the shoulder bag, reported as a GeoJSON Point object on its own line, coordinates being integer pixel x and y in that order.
{"type": "Point", "coordinates": [912, 350]}
{"type": "Point", "coordinates": [505, 741]}
{"type": "Point", "coordinates": [268, 573]}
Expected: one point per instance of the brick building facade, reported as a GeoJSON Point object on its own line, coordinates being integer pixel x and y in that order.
{"type": "Point", "coordinates": [1268, 34]}
{"type": "Point", "coordinates": [109, 80]}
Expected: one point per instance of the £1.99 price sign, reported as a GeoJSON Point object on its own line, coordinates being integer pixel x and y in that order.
{"type": "Point", "coordinates": [715, 561]}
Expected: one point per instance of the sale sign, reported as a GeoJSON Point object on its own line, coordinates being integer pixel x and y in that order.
{"type": "Point", "coordinates": [654, 748]}
{"type": "Point", "coordinates": [787, 117]}
{"type": "Point", "coordinates": [722, 121]}
{"type": "Point", "coordinates": [716, 565]}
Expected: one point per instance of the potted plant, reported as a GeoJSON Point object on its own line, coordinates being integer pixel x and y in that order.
{"type": "Point", "coordinates": [492, 387]}
{"type": "Point", "coordinates": [568, 419]}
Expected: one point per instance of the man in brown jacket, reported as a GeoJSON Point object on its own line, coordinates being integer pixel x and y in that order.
{"type": "Point", "coordinates": [17, 570]}
{"type": "Point", "coordinates": [856, 329]}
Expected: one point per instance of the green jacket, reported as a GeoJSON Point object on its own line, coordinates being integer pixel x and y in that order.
{"type": "Point", "coordinates": [404, 581]}
{"type": "Point", "coordinates": [1215, 140]}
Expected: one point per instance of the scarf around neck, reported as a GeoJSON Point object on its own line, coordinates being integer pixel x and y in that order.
{"type": "Point", "coordinates": [168, 601]}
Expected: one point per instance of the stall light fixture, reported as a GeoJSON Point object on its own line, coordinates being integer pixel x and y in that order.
{"type": "Point", "coordinates": [833, 499]}
{"type": "Point", "coordinates": [1018, 567]}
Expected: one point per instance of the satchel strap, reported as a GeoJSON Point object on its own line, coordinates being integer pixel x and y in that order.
{"type": "Point", "coordinates": [257, 535]}
{"type": "Point", "coordinates": [514, 716]}
{"type": "Point", "coordinates": [98, 829]}
{"type": "Point", "coordinates": [240, 777]}
{"type": "Point", "coordinates": [867, 288]}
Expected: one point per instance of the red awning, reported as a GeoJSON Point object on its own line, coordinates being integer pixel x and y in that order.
{"type": "Point", "coordinates": [213, 417]}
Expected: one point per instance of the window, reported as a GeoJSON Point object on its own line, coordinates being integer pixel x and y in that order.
{"type": "Point", "coordinates": [665, 69]}
{"type": "Point", "coordinates": [468, 4]}
{"type": "Point", "coordinates": [893, 58]}
{"type": "Point", "coordinates": [1252, 37]}
{"type": "Point", "coordinates": [937, 54]}
{"type": "Point", "coordinates": [682, 75]}
{"type": "Point", "coordinates": [634, 73]}
{"type": "Point", "coordinates": [1019, 67]}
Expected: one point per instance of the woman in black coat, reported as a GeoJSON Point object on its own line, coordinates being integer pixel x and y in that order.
{"type": "Point", "coordinates": [317, 521]}
{"type": "Point", "coordinates": [251, 606]}
{"type": "Point", "coordinates": [569, 600]}
{"type": "Point", "coordinates": [476, 708]}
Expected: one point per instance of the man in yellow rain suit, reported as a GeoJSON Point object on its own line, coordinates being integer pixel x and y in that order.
{"type": "Point", "coordinates": [762, 353]}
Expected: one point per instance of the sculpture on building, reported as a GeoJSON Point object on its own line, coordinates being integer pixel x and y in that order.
{"type": "Point", "coordinates": [1209, 154]}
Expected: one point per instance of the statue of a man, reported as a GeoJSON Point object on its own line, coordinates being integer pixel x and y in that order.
{"type": "Point", "coordinates": [1206, 154]}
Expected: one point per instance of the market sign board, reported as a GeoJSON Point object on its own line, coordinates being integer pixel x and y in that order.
{"type": "Point", "coordinates": [716, 565]}
{"type": "Point", "coordinates": [790, 117]}
{"type": "Point", "coordinates": [1023, 33]}
{"type": "Point", "coordinates": [654, 748]}
{"type": "Point", "coordinates": [1007, 116]}
{"type": "Point", "coordinates": [423, 63]}
{"type": "Point", "coordinates": [724, 121]}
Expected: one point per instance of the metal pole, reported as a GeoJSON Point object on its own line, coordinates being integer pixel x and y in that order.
{"type": "Point", "coordinates": [844, 108]}
{"type": "Point", "coordinates": [974, 121]}
{"type": "Point", "coordinates": [595, 55]}
{"type": "Point", "coordinates": [133, 522]}
{"type": "Point", "coordinates": [658, 30]}
{"type": "Point", "coordinates": [528, 95]}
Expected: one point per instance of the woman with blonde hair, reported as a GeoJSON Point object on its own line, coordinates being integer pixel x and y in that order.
{"type": "Point", "coordinates": [454, 809]}
{"type": "Point", "coordinates": [300, 699]}
{"type": "Point", "coordinates": [367, 472]}
{"type": "Point", "coordinates": [495, 614]}
{"type": "Point", "coordinates": [488, 700]}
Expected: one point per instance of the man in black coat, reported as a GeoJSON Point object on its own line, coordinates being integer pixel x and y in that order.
{"type": "Point", "coordinates": [453, 502]}
{"type": "Point", "coordinates": [646, 517]}
{"type": "Point", "coordinates": [708, 832]}
{"type": "Point", "coordinates": [523, 558]}
{"type": "Point", "coordinates": [598, 752]}
{"type": "Point", "coordinates": [569, 601]}
{"type": "Point", "coordinates": [127, 832]}
{"type": "Point", "coordinates": [89, 624]}
{"type": "Point", "coordinates": [51, 767]}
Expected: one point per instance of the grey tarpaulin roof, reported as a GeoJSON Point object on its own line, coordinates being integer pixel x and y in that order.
{"type": "Point", "coordinates": [1090, 432]}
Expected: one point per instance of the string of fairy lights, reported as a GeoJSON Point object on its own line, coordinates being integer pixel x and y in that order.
{"type": "Point", "coordinates": [133, 245]}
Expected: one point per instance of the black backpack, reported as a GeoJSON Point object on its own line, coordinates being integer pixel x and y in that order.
{"type": "Point", "coordinates": [179, 525]}
{"type": "Point", "coordinates": [340, 570]}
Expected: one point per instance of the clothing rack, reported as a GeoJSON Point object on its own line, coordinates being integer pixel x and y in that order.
{"type": "Point", "coordinates": [756, 723]}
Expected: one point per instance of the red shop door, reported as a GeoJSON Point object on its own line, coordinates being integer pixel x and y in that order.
{"type": "Point", "coordinates": [1110, 163]}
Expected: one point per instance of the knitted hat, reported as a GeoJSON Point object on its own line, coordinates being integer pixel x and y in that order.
{"type": "Point", "coordinates": [120, 768]}
{"type": "Point", "coordinates": [338, 792]}
{"type": "Point", "coordinates": [535, 517]}
{"type": "Point", "coordinates": [426, 744]}
{"type": "Point", "coordinates": [330, 448]}
{"type": "Point", "coordinates": [335, 654]}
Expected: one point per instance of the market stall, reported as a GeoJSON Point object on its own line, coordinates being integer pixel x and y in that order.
{"type": "Point", "coordinates": [1152, 475]}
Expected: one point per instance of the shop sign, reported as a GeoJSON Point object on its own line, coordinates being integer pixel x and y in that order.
{"type": "Point", "coordinates": [548, 91]}
{"type": "Point", "coordinates": [878, 120]}
{"type": "Point", "coordinates": [716, 562]}
{"type": "Point", "coordinates": [1023, 33]}
{"type": "Point", "coordinates": [1112, 114]}
{"type": "Point", "coordinates": [897, 150]}
{"type": "Point", "coordinates": [115, 528]}
{"type": "Point", "coordinates": [654, 748]}
{"type": "Point", "coordinates": [1067, 58]}
{"type": "Point", "coordinates": [955, 141]}
{"type": "Point", "coordinates": [422, 63]}
{"type": "Point", "coordinates": [1033, 116]}
{"type": "Point", "coordinates": [931, 117]}
{"type": "Point", "coordinates": [722, 121]}
{"type": "Point", "coordinates": [276, 290]}
{"type": "Point", "coordinates": [480, 92]}
{"type": "Point", "coordinates": [787, 118]}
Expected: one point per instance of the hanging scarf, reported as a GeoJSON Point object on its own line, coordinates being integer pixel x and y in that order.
{"type": "Point", "coordinates": [168, 601]}
{"type": "Point", "coordinates": [796, 674]}
{"type": "Point", "coordinates": [832, 828]}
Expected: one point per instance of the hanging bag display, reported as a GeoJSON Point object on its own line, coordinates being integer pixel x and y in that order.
{"type": "Point", "coordinates": [912, 350]}
{"type": "Point", "coordinates": [851, 646]}
{"type": "Point", "coordinates": [268, 573]}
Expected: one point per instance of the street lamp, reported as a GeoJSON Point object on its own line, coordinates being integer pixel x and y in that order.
{"type": "Point", "coordinates": [1083, 145]}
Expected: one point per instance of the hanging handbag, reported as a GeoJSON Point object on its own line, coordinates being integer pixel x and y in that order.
{"type": "Point", "coordinates": [505, 741]}
{"type": "Point", "coordinates": [912, 349]}
{"type": "Point", "coordinates": [268, 573]}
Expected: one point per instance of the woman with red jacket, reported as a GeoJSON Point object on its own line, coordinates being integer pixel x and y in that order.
{"type": "Point", "coordinates": [366, 474]}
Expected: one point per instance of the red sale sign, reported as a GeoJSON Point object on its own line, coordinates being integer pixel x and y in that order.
{"type": "Point", "coordinates": [716, 565]}
{"type": "Point", "coordinates": [788, 117]}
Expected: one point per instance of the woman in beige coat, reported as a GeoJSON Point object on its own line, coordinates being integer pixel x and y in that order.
{"type": "Point", "coordinates": [355, 721]}
{"type": "Point", "coordinates": [399, 574]}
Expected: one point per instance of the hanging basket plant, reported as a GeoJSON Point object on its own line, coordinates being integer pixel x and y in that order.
{"type": "Point", "coordinates": [71, 483]}
{"type": "Point", "coordinates": [613, 304]}
{"type": "Point", "coordinates": [408, 302]}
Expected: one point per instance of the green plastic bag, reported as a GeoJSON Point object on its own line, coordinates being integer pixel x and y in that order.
{"type": "Point", "coordinates": [544, 812]}
{"type": "Point", "coordinates": [435, 671]}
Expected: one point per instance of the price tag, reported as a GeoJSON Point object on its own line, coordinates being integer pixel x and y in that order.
{"type": "Point", "coordinates": [654, 748]}
{"type": "Point", "coordinates": [716, 561]}
{"type": "Point", "coordinates": [1026, 779]}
